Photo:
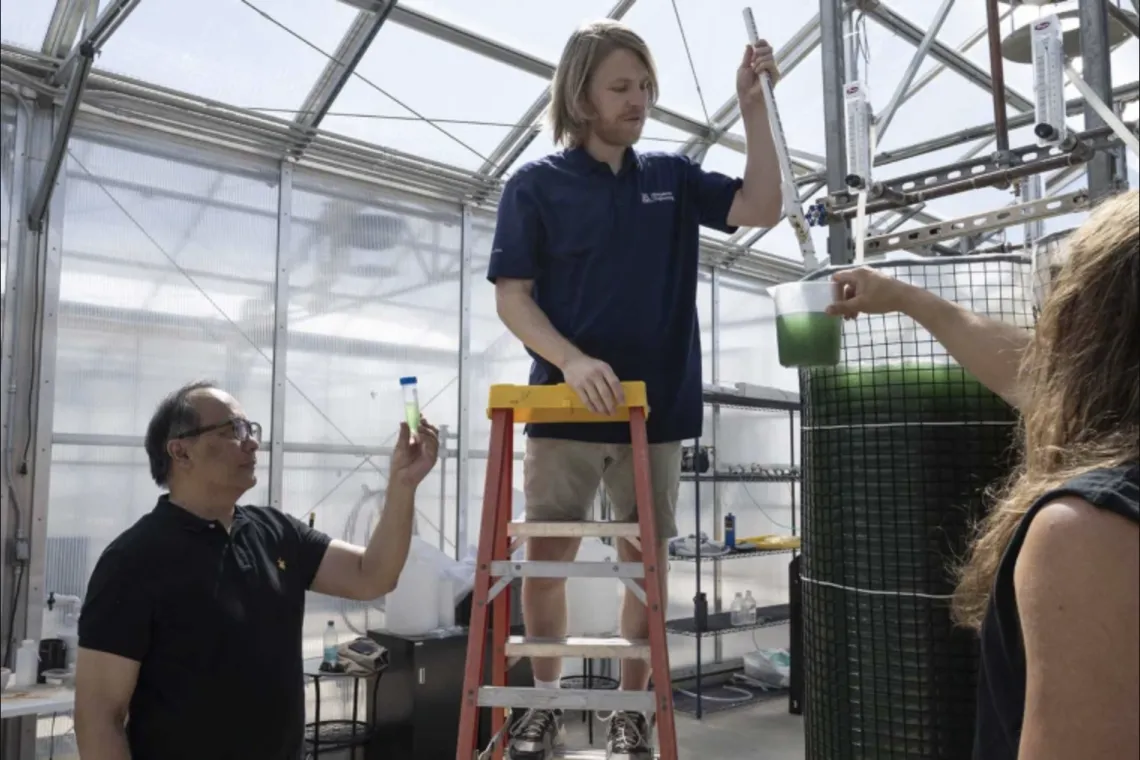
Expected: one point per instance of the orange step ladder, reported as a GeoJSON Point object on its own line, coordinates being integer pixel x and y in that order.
{"type": "Point", "coordinates": [499, 537]}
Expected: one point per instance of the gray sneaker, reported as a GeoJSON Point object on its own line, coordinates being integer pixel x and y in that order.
{"type": "Point", "coordinates": [536, 734]}
{"type": "Point", "coordinates": [629, 737]}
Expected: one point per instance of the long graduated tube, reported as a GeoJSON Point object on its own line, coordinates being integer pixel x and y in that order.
{"type": "Point", "coordinates": [411, 403]}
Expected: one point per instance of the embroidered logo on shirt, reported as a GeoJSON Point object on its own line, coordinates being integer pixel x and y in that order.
{"type": "Point", "coordinates": [665, 197]}
{"type": "Point", "coordinates": [280, 564]}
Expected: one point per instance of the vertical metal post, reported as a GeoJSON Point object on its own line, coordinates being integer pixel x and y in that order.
{"type": "Point", "coordinates": [1032, 189]}
{"type": "Point", "coordinates": [850, 48]}
{"type": "Point", "coordinates": [445, 453]}
{"type": "Point", "coordinates": [997, 74]}
{"type": "Point", "coordinates": [1097, 71]}
{"type": "Point", "coordinates": [17, 232]}
{"type": "Point", "coordinates": [463, 470]}
{"type": "Point", "coordinates": [31, 408]}
{"type": "Point", "coordinates": [280, 334]}
{"type": "Point", "coordinates": [831, 14]}
{"type": "Point", "coordinates": [718, 526]}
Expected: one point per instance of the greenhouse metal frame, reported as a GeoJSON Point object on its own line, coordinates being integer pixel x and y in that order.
{"type": "Point", "coordinates": [77, 137]}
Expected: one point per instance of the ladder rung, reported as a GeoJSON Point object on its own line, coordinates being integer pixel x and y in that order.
{"type": "Point", "coordinates": [601, 700]}
{"type": "Point", "coordinates": [604, 529]}
{"type": "Point", "coordinates": [536, 569]}
{"type": "Point", "coordinates": [583, 647]}
{"type": "Point", "coordinates": [586, 754]}
{"type": "Point", "coordinates": [560, 403]}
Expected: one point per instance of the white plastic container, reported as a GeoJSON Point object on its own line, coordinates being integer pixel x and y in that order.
{"type": "Point", "coordinates": [736, 611]}
{"type": "Point", "coordinates": [748, 612]}
{"type": "Point", "coordinates": [446, 603]}
{"type": "Point", "coordinates": [412, 608]}
{"type": "Point", "coordinates": [27, 658]}
{"type": "Point", "coordinates": [411, 402]}
{"type": "Point", "coordinates": [593, 604]}
{"type": "Point", "coordinates": [806, 335]}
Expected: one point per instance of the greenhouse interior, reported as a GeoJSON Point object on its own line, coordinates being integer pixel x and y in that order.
{"type": "Point", "coordinates": [297, 200]}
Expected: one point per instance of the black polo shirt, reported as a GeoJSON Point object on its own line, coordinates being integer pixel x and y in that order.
{"type": "Point", "coordinates": [215, 620]}
{"type": "Point", "coordinates": [614, 259]}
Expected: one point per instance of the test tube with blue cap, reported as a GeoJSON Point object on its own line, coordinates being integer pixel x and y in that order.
{"type": "Point", "coordinates": [411, 403]}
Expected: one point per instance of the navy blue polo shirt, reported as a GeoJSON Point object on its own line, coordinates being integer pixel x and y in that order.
{"type": "Point", "coordinates": [614, 260]}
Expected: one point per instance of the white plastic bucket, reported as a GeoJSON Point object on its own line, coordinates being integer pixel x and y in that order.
{"type": "Point", "coordinates": [412, 608]}
{"type": "Point", "coordinates": [806, 335]}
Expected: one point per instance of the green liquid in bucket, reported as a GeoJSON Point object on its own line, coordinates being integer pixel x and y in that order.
{"type": "Point", "coordinates": [811, 339]}
{"type": "Point", "coordinates": [412, 416]}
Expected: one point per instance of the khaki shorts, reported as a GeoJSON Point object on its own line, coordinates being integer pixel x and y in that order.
{"type": "Point", "coordinates": [561, 479]}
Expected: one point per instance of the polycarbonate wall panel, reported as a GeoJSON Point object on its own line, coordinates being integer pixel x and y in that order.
{"type": "Point", "coordinates": [166, 277]}
{"type": "Point", "coordinates": [373, 297]}
{"type": "Point", "coordinates": [747, 336]}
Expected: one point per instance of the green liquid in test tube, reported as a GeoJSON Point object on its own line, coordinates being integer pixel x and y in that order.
{"type": "Point", "coordinates": [411, 403]}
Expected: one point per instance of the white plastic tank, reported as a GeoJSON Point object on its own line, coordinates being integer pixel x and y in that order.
{"type": "Point", "coordinates": [593, 603]}
{"type": "Point", "coordinates": [412, 608]}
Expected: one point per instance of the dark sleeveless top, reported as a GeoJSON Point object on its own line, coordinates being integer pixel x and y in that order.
{"type": "Point", "coordinates": [1001, 687]}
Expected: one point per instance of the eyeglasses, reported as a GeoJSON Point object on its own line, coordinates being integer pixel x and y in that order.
{"type": "Point", "coordinates": [243, 429]}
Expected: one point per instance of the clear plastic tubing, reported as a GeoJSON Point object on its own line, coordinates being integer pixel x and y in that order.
{"type": "Point", "coordinates": [411, 403]}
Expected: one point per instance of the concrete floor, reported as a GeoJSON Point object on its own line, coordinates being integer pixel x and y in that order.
{"type": "Point", "coordinates": [765, 731]}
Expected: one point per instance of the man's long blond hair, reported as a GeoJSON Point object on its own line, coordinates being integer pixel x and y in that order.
{"type": "Point", "coordinates": [586, 48]}
{"type": "Point", "coordinates": [1081, 380]}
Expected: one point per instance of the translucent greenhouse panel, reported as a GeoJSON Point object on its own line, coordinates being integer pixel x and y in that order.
{"type": "Point", "coordinates": [654, 137]}
{"type": "Point", "coordinates": [497, 356]}
{"type": "Point", "coordinates": [537, 28]}
{"type": "Point", "coordinates": [167, 277]}
{"type": "Point", "coordinates": [373, 297]}
{"type": "Point", "coordinates": [429, 98]}
{"type": "Point", "coordinates": [715, 62]}
{"type": "Point", "coordinates": [229, 52]}
{"type": "Point", "coordinates": [346, 498]}
{"type": "Point", "coordinates": [25, 22]}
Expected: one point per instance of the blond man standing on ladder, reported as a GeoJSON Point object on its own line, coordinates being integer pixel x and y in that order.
{"type": "Point", "coordinates": [595, 266]}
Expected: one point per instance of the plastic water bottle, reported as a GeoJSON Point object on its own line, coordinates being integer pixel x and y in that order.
{"type": "Point", "coordinates": [411, 403]}
{"type": "Point", "coordinates": [330, 644]}
{"type": "Point", "coordinates": [748, 613]}
{"type": "Point", "coordinates": [27, 660]}
{"type": "Point", "coordinates": [730, 531]}
{"type": "Point", "coordinates": [736, 612]}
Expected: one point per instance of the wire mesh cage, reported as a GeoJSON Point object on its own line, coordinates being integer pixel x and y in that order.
{"type": "Point", "coordinates": [899, 446]}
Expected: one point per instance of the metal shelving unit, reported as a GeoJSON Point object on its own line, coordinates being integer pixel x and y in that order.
{"type": "Point", "coordinates": [717, 622]}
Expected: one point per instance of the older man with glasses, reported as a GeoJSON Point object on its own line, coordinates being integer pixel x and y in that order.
{"type": "Point", "coordinates": [190, 633]}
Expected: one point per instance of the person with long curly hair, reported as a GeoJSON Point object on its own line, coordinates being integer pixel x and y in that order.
{"type": "Point", "coordinates": [1052, 579]}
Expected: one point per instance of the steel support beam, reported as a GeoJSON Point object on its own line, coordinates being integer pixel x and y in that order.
{"type": "Point", "coordinates": [794, 51]}
{"type": "Point", "coordinates": [523, 133]}
{"type": "Point", "coordinates": [466, 410]}
{"type": "Point", "coordinates": [63, 28]}
{"type": "Point", "coordinates": [831, 13]}
{"type": "Point", "coordinates": [340, 67]}
{"type": "Point", "coordinates": [1103, 174]}
{"type": "Point", "coordinates": [1002, 218]}
{"type": "Point", "coordinates": [1127, 20]}
{"type": "Point", "coordinates": [47, 182]}
{"type": "Point", "coordinates": [97, 35]}
{"type": "Point", "coordinates": [884, 120]}
{"type": "Point", "coordinates": [913, 33]}
{"type": "Point", "coordinates": [28, 440]}
{"type": "Point", "coordinates": [1124, 93]}
{"type": "Point", "coordinates": [972, 174]}
{"type": "Point", "coordinates": [280, 380]}
{"type": "Point", "coordinates": [502, 53]}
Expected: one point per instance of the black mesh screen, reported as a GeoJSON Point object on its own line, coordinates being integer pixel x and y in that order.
{"type": "Point", "coordinates": [899, 445]}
